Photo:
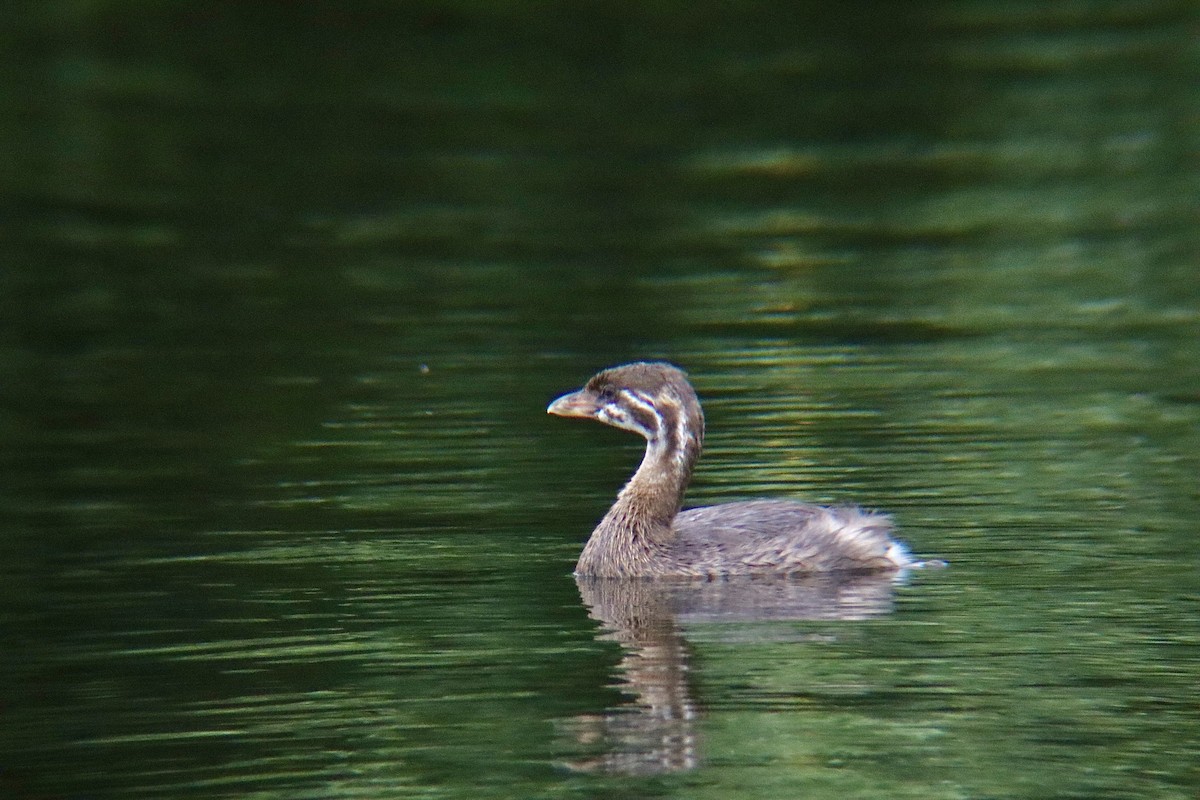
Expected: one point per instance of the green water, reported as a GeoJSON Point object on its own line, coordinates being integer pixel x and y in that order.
{"type": "Point", "coordinates": [285, 292]}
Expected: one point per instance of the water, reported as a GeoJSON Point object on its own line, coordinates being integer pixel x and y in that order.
{"type": "Point", "coordinates": [285, 297]}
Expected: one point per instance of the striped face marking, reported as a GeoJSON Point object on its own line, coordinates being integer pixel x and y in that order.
{"type": "Point", "coordinates": [676, 437]}
{"type": "Point", "coordinates": [660, 420]}
{"type": "Point", "coordinates": [653, 400]}
{"type": "Point", "coordinates": [633, 411]}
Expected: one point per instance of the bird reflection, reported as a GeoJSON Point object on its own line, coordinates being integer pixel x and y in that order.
{"type": "Point", "coordinates": [655, 730]}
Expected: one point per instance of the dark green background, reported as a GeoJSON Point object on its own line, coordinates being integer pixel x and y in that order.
{"type": "Point", "coordinates": [286, 287]}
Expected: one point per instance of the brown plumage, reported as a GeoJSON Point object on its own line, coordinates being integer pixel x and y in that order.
{"type": "Point", "coordinates": [644, 534]}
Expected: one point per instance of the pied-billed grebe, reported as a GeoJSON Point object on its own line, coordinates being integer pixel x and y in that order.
{"type": "Point", "coordinates": [644, 534]}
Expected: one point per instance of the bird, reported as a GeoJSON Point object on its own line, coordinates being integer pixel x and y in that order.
{"type": "Point", "coordinates": [646, 535]}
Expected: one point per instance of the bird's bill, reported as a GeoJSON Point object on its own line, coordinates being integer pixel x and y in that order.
{"type": "Point", "coordinates": [576, 404]}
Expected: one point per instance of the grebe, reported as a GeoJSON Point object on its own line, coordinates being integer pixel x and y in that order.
{"type": "Point", "coordinates": [645, 535]}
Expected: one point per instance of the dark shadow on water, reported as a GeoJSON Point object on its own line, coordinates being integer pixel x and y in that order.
{"type": "Point", "coordinates": [655, 730]}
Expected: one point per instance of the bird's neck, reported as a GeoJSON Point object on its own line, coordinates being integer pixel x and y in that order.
{"type": "Point", "coordinates": [653, 496]}
{"type": "Point", "coordinates": [638, 526]}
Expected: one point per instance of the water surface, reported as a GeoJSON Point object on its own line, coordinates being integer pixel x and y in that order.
{"type": "Point", "coordinates": [286, 294]}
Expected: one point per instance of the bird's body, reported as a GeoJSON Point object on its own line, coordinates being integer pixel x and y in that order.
{"type": "Point", "coordinates": [645, 535]}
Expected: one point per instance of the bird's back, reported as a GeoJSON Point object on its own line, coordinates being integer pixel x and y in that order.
{"type": "Point", "coordinates": [780, 536]}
